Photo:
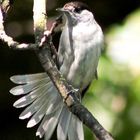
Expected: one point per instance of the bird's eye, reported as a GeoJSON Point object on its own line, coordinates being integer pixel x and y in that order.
{"type": "Point", "coordinates": [77, 10]}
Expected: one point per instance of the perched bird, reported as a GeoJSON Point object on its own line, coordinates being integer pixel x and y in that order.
{"type": "Point", "coordinates": [79, 50]}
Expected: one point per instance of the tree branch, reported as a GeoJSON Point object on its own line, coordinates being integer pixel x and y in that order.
{"type": "Point", "coordinates": [9, 40]}
{"type": "Point", "coordinates": [44, 55]}
{"type": "Point", "coordinates": [5, 5]}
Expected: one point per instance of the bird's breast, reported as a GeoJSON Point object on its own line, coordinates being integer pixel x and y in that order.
{"type": "Point", "coordinates": [81, 55]}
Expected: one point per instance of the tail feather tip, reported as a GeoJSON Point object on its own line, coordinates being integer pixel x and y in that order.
{"type": "Point", "coordinates": [22, 117]}
{"type": "Point", "coordinates": [31, 123]}
{"type": "Point", "coordinates": [38, 134]}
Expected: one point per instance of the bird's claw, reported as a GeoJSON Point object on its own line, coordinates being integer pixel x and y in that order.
{"type": "Point", "coordinates": [73, 93]}
{"type": "Point", "coordinates": [46, 35]}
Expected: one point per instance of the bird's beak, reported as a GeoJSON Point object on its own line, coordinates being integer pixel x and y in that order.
{"type": "Point", "coordinates": [61, 10]}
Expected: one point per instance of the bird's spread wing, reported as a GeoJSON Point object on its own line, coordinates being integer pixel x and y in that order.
{"type": "Point", "coordinates": [45, 106]}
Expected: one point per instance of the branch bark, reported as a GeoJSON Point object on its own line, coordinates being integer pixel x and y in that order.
{"type": "Point", "coordinates": [43, 53]}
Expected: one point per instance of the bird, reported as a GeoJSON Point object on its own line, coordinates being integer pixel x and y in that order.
{"type": "Point", "coordinates": [80, 46]}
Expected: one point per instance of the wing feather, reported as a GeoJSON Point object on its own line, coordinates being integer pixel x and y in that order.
{"type": "Point", "coordinates": [48, 124]}
{"type": "Point", "coordinates": [64, 120]}
{"type": "Point", "coordinates": [29, 98]}
{"type": "Point", "coordinates": [75, 129]}
{"type": "Point", "coordinates": [24, 89]}
{"type": "Point", "coordinates": [23, 79]}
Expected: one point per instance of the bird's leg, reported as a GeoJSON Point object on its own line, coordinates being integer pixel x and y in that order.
{"type": "Point", "coordinates": [47, 38]}
{"type": "Point", "coordinates": [72, 92]}
{"type": "Point", "coordinates": [49, 33]}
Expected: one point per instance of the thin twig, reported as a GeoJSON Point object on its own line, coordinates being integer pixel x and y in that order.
{"type": "Point", "coordinates": [5, 6]}
{"type": "Point", "coordinates": [9, 40]}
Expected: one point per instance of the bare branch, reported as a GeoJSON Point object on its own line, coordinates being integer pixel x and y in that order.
{"type": "Point", "coordinates": [5, 5]}
{"type": "Point", "coordinates": [9, 40]}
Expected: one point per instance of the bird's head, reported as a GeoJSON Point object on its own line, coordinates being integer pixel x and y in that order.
{"type": "Point", "coordinates": [76, 12]}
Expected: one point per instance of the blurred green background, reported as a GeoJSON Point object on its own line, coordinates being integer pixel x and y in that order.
{"type": "Point", "coordinates": [114, 99]}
